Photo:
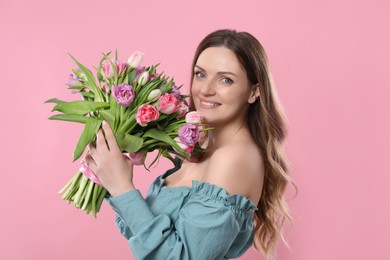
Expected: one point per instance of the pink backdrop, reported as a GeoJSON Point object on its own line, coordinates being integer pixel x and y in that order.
{"type": "Point", "coordinates": [330, 61]}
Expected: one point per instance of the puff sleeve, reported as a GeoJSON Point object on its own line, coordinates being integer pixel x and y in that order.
{"type": "Point", "coordinates": [210, 225]}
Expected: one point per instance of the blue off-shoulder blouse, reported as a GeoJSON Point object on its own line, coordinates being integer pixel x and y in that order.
{"type": "Point", "coordinates": [201, 222]}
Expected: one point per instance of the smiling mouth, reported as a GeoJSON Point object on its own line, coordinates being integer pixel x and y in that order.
{"type": "Point", "coordinates": [209, 104]}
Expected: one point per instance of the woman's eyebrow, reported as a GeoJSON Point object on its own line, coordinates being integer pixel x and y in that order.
{"type": "Point", "coordinates": [219, 72]}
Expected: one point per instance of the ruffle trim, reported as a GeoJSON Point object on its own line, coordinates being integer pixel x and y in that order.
{"type": "Point", "coordinates": [211, 191]}
{"type": "Point", "coordinates": [216, 192]}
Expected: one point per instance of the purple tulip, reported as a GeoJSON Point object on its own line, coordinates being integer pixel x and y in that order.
{"type": "Point", "coordinates": [189, 134]}
{"type": "Point", "coordinates": [139, 70]}
{"type": "Point", "coordinates": [73, 80]}
{"type": "Point", "coordinates": [175, 92]}
{"type": "Point", "coordinates": [123, 94]}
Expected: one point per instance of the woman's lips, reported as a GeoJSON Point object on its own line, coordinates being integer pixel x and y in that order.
{"type": "Point", "coordinates": [209, 104]}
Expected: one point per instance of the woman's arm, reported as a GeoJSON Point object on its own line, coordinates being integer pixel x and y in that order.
{"type": "Point", "coordinates": [205, 229]}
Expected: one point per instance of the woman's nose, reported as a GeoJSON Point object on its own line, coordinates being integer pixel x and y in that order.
{"type": "Point", "coordinates": [207, 88]}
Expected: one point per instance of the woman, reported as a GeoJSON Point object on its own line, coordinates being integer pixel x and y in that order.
{"type": "Point", "coordinates": [232, 197]}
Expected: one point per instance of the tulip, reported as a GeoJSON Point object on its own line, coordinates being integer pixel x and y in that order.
{"type": "Point", "coordinates": [175, 92]}
{"type": "Point", "coordinates": [188, 149]}
{"type": "Point", "coordinates": [194, 117]}
{"type": "Point", "coordinates": [120, 67]}
{"type": "Point", "coordinates": [154, 95]}
{"type": "Point", "coordinates": [168, 104]}
{"type": "Point", "coordinates": [143, 78]}
{"type": "Point", "coordinates": [106, 88]}
{"type": "Point", "coordinates": [135, 59]}
{"type": "Point", "coordinates": [139, 70]}
{"type": "Point", "coordinates": [183, 109]}
{"type": "Point", "coordinates": [145, 114]}
{"type": "Point", "coordinates": [124, 94]}
{"type": "Point", "coordinates": [73, 80]}
{"type": "Point", "coordinates": [189, 134]}
{"type": "Point", "coordinates": [107, 69]}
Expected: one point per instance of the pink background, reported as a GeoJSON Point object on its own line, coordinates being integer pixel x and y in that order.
{"type": "Point", "coordinates": [330, 61]}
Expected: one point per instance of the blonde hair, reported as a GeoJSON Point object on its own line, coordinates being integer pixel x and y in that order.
{"type": "Point", "coordinates": [267, 124]}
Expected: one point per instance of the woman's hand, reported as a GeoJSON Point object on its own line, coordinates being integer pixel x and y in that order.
{"type": "Point", "coordinates": [108, 163]}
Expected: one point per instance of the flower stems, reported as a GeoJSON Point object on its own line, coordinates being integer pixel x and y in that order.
{"type": "Point", "coordinates": [84, 194]}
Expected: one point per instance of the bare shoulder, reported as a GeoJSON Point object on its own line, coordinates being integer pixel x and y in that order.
{"type": "Point", "coordinates": [239, 169]}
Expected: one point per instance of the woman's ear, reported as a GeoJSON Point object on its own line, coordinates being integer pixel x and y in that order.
{"type": "Point", "coordinates": [255, 94]}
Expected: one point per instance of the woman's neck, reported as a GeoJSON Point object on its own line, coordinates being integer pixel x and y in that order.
{"type": "Point", "coordinates": [226, 134]}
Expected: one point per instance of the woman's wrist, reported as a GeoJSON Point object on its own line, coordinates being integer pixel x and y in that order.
{"type": "Point", "coordinates": [123, 189]}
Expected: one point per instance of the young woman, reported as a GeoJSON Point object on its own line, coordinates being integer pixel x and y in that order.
{"type": "Point", "coordinates": [232, 198]}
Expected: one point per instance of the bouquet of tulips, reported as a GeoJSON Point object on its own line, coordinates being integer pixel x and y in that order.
{"type": "Point", "coordinates": [145, 110]}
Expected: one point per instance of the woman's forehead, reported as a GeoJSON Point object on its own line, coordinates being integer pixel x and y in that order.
{"type": "Point", "coordinates": [217, 59]}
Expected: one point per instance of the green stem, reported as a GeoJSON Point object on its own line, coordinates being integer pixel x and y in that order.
{"type": "Point", "coordinates": [72, 186]}
{"type": "Point", "coordinates": [88, 194]}
{"type": "Point", "coordinates": [67, 186]}
{"type": "Point", "coordinates": [100, 199]}
{"type": "Point", "coordinates": [94, 197]}
{"type": "Point", "coordinates": [80, 191]}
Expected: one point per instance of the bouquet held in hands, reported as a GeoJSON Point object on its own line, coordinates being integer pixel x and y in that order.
{"type": "Point", "coordinates": [145, 111]}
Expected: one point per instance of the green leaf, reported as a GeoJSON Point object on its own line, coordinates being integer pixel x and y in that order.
{"type": "Point", "coordinates": [90, 78]}
{"type": "Point", "coordinates": [154, 161]}
{"type": "Point", "coordinates": [87, 94]}
{"type": "Point", "coordinates": [55, 100]}
{"type": "Point", "coordinates": [129, 143]}
{"type": "Point", "coordinates": [114, 69]}
{"type": "Point", "coordinates": [80, 107]}
{"type": "Point", "coordinates": [131, 76]}
{"type": "Point", "coordinates": [70, 118]}
{"type": "Point", "coordinates": [77, 87]}
{"type": "Point", "coordinates": [159, 135]}
{"type": "Point", "coordinates": [168, 156]}
{"type": "Point", "coordinates": [168, 87]}
{"type": "Point", "coordinates": [92, 125]}
{"type": "Point", "coordinates": [107, 115]}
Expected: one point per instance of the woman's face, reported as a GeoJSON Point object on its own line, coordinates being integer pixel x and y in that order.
{"type": "Point", "coordinates": [220, 88]}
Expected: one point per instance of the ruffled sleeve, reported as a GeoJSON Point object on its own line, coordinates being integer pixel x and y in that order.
{"type": "Point", "coordinates": [211, 225]}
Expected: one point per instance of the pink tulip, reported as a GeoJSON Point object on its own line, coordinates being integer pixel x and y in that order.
{"type": "Point", "coordinates": [120, 67]}
{"type": "Point", "coordinates": [106, 88]}
{"type": "Point", "coordinates": [107, 69]}
{"type": "Point", "coordinates": [168, 104]}
{"type": "Point", "coordinates": [183, 109]}
{"type": "Point", "coordinates": [145, 114]}
{"type": "Point", "coordinates": [135, 59]}
{"type": "Point", "coordinates": [194, 117]}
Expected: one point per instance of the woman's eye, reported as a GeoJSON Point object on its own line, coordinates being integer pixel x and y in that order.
{"type": "Point", "coordinates": [227, 80]}
{"type": "Point", "coordinates": [199, 74]}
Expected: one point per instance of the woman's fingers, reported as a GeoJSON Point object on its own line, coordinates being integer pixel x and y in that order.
{"type": "Point", "coordinates": [101, 141]}
{"type": "Point", "coordinates": [89, 161]}
{"type": "Point", "coordinates": [92, 153]}
{"type": "Point", "coordinates": [110, 137]}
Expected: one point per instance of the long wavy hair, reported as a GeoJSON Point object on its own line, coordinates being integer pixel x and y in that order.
{"type": "Point", "coordinates": [267, 124]}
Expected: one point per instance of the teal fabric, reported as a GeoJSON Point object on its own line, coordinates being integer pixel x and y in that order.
{"type": "Point", "coordinates": [199, 223]}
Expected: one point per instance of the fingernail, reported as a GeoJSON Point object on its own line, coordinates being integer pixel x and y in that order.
{"type": "Point", "coordinates": [104, 122]}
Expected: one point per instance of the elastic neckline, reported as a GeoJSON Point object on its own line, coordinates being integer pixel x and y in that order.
{"type": "Point", "coordinates": [207, 188]}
